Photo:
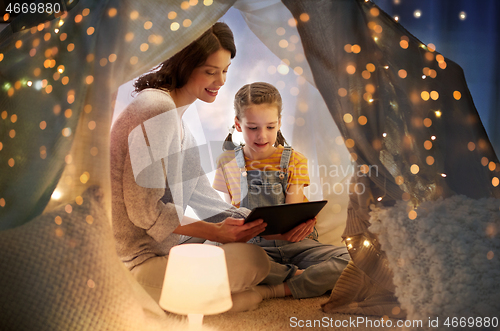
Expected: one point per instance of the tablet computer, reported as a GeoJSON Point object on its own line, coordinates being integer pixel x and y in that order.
{"type": "Point", "coordinates": [282, 218]}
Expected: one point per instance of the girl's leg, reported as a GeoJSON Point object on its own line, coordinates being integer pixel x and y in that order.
{"type": "Point", "coordinates": [322, 264]}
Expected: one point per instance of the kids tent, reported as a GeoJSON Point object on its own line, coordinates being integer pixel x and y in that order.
{"type": "Point", "coordinates": [422, 161]}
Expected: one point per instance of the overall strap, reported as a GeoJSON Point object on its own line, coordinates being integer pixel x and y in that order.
{"type": "Point", "coordinates": [285, 160]}
{"type": "Point", "coordinates": [240, 160]}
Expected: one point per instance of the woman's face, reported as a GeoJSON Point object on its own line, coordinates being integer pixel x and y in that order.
{"type": "Point", "coordinates": [259, 125]}
{"type": "Point", "coordinates": [206, 80]}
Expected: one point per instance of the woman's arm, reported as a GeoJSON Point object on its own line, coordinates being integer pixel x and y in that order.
{"type": "Point", "coordinates": [227, 197]}
{"type": "Point", "coordinates": [229, 230]}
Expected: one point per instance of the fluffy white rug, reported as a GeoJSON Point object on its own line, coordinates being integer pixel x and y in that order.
{"type": "Point", "coordinates": [446, 261]}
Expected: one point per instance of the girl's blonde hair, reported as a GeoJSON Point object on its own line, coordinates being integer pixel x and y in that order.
{"type": "Point", "coordinates": [255, 94]}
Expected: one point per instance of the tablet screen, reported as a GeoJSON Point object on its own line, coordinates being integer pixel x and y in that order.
{"type": "Point", "coordinates": [282, 218]}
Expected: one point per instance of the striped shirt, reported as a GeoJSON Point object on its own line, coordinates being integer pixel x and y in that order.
{"type": "Point", "coordinates": [227, 176]}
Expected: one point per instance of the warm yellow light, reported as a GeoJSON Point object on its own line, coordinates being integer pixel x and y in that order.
{"type": "Point", "coordinates": [366, 243]}
{"type": "Point", "coordinates": [56, 195]}
{"type": "Point", "coordinates": [356, 49]}
{"type": "Point", "coordinates": [175, 26]}
{"type": "Point", "coordinates": [351, 69]}
{"type": "Point", "coordinates": [374, 11]}
{"type": "Point", "coordinates": [438, 113]}
{"type": "Point", "coordinates": [471, 146]}
{"type": "Point", "coordinates": [196, 282]}
{"type": "Point", "coordinates": [348, 118]}
{"type": "Point", "coordinates": [370, 67]}
{"type": "Point", "coordinates": [135, 14]}
{"type": "Point", "coordinates": [362, 120]}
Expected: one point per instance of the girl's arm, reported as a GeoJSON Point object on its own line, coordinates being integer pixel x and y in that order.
{"type": "Point", "coordinates": [295, 194]}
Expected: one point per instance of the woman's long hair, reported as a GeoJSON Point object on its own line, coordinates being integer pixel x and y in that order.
{"type": "Point", "coordinates": [175, 72]}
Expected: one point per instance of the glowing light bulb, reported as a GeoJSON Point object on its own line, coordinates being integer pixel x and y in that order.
{"type": "Point", "coordinates": [433, 137]}
{"type": "Point", "coordinates": [443, 175]}
{"type": "Point", "coordinates": [417, 13]}
{"type": "Point", "coordinates": [366, 243]}
{"type": "Point", "coordinates": [379, 199]}
{"type": "Point", "coordinates": [56, 195]}
{"type": "Point", "coordinates": [384, 134]}
{"type": "Point", "coordinates": [29, 83]}
{"type": "Point", "coordinates": [396, 18]}
{"type": "Point", "coordinates": [462, 15]}
{"type": "Point", "coordinates": [438, 113]}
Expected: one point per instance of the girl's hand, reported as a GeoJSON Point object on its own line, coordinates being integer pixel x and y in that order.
{"type": "Point", "coordinates": [235, 230]}
{"type": "Point", "coordinates": [296, 234]}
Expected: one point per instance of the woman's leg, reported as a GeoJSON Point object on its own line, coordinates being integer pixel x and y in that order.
{"type": "Point", "coordinates": [247, 266]}
{"type": "Point", "coordinates": [150, 275]}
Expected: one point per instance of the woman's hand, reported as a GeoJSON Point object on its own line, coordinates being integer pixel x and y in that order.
{"type": "Point", "coordinates": [235, 230]}
{"type": "Point", "coordinates": [296, 234]}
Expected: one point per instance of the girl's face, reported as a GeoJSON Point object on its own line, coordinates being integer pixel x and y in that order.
{"type": "Point", "coordinates": [259, 125]}
{"type": "Point", "coordinates": [206, 80]}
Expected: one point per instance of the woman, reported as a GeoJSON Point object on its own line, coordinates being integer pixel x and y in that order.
{"type": "Point", "coordinates": [156, 173]}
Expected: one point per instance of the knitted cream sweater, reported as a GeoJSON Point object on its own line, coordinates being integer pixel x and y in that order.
{"type": "Point", "coordinates": [146, 147]}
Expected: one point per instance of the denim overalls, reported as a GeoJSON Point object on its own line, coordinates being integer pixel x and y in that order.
{"type": "Point", "coordinates": [323, 264]}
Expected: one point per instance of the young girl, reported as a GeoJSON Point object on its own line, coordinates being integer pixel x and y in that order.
{"type": "Point", "coordinates": [264, 172]}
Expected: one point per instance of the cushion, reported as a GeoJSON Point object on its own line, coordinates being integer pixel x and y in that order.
{"type": "Point", "coordinates": [60, 271]}
{"type": "Point", "coordinates": [445, 261]}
